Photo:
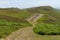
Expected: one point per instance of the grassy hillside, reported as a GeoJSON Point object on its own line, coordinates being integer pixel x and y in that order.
{"type": "Point", "coordinates": [50, 20]}
{"type": "Point", "coordinates": [15, 12]}
{"type": "Point", "coordinates": [50, 13]}
{"type": "Point", "coordinates": [14, 18]}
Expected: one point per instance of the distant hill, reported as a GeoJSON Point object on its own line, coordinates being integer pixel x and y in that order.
{"type": "Point", "coordinates": [51, 14]}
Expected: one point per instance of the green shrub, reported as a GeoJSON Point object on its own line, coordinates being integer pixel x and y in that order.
{"type": "Point", "coordinates": [4, 22]}
{"type": "Point", "coordinates": [47, 29]}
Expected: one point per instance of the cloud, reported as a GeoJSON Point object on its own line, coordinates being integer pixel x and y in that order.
{"type": "Point", "coordinates": [4, 2]}
{"type": "Point", "coordinates": [28, 3]}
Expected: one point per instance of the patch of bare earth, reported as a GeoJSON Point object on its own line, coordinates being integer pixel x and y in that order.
{"type": "Point", "coordinates": [22, 34]}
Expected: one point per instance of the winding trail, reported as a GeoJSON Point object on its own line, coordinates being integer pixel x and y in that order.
{"type": "Point", "coordinates": [25, 33]}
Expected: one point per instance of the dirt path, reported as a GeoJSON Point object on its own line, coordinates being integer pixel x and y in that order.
{"type": "Point", "coordinates": [24, 33]}
{"type": "Point", "coordinates": [35, 17]}
{"type": "Point", "coordinates": [28, 34]}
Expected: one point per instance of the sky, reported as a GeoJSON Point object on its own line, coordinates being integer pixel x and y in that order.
{"type": "Point", "coordinates": [29, 3]}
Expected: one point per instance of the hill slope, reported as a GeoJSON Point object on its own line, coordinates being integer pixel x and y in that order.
{"type": "Point", "coordinates": [16, 16]}
{"type": "Point", "coordinates": [51, 14]}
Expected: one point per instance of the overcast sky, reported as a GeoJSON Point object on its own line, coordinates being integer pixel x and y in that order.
{"type": "Point", "coordinates": [29, 3]}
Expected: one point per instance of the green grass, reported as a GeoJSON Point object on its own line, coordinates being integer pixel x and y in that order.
{"type": "Point", "coordinates": [47, 29]}
{"type": "Point", "coordinates": [6, 30]}
{"type": "Point", "coordinates": [8, 25]}
{"type": "Point", "coordinates": [15, 13]}
{"type": "Point", "coordinates": [50, 13]}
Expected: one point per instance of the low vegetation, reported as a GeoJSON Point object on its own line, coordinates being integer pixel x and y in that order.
{"type": "Point", "coordinates": [47, 29]}
{"type": "Point", "coordinates": [12, 19]}
{"type": "Point", "coordinates": [4, 22]}
{"type": "Point", "coordinates": [6, 30]}
{"type": "Point", "coordinates": [7, 27]}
